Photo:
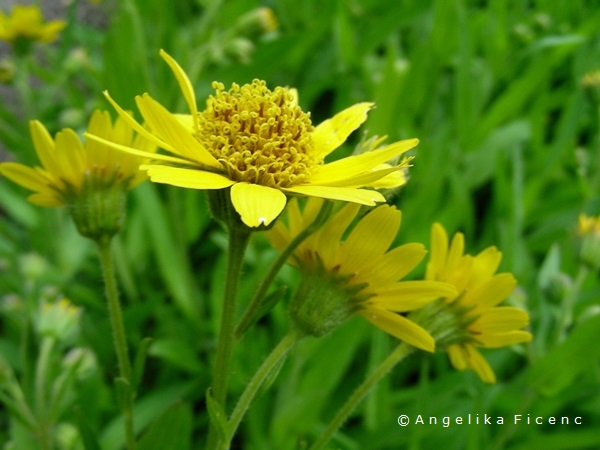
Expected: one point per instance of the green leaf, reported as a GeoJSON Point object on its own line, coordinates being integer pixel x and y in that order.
{"type": "Point", "coordinates": [171, 431]}
{"type": "Point", "coordinates": [217, 416]}
{"type": "Point", "coordinates": [560, 367]}
{"type": "Point", "coordinates": [125, 66]}
{"type": "Point", "coordinates": [88, 436]}
{"type": "Point", "coordinates": [145, 410]}
{"type": "Point", "coordinates": [172, 260]}
{"type": "Point", "coordinates": [140, 361]}
{"type": "Point", "coordinates": [176, 352]}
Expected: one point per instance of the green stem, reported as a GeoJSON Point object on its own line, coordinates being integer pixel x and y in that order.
{"type": "Point", "coordinates": [41, 381]}
{"type": "Point", "coordinates": [264, 371]}
{"type": "Point", "coordinates": [401, 352]}
{"type": "Point", "coordinates": [118, 329]}
{"type": "Point", "coordinates": [253, 307]}
{"type": "Point", "coordinates": [238, 241]}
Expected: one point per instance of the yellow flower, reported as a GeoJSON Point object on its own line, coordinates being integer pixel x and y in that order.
{"type": "Point", "coordinates": [68, 164]}
{"type": "Point", "coordinates": [91, 178]}
{"type": "Point", "coordinates": [588, 225]}
{"type": "Point", "coordinates": [588, 229]}
{"type": "Point", "coordinates": [26, 22]}
{"type": "Point", "coordinates": [262, 146]}
{"type": "Point", "coordinates": [256, 22]}
{"type": "Point", "coordinates": [479, 321]}
{"type": "Point", "coordinates": [362, 268]}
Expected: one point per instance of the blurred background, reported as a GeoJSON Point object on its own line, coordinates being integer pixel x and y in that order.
{"type": "Point", "coordinates": [504, 97]}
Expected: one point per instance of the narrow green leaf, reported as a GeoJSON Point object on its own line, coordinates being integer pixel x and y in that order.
{"type": "Point", "coordinates": [88, 436]}
{"type": "Point", "coordinates": [171, 431]}
{"type": "Point", "coordinates": [176, 352]}
{"type": "Point", "coordinates": [562, 365]}
{"type": "Point", "coordinates": [217, 416]}
{"type": "Point", "coordinates": [140, 361]}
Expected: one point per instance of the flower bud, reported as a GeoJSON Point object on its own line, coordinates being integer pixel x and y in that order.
{"type": "Point", "coordinates": [59, 320]}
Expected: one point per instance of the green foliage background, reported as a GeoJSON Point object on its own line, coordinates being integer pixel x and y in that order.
{"type": "Point", "coordinates": [509, 155]}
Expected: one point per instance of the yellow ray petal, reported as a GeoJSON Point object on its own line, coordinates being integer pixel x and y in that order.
{"type": "Point", "coordinates": [457, 357]}
{"type": "Point", "coordinates": [279, 236]}
{"type": "Point", "coordinates": [362, 196]}
{"type": "Point", "coordinates": [71, 157]}
{"type": "Point", "coordinates": [257, 205]}
{"type": "Point", "coordinates": [364, 179]}
{"type": "Point", "coordinates": [332, 133]}
{"type": "Point", "coordinates": [352, 166]}
{"type": "Point", "coordinates": [500, 319]}
{"type": "Point", "coordinates": [479, 365]}
{"type": "Point", "coordinates": [392, 266]}
{"type": "Point", "coordinates": [172, 131]}
{"type": "Point", "coordinates": [327, 239]}
{"type": "Point", "coordinates": [186, 120]}
{"type": "Point", "coordinates": [44, 146]}
{"type": "Point", "coordinates": [496, 340]}
{"type": "Point", "coordinates": [25, 176]}
{"type": "Point", "coordinates": [46, 200]}
{"type": "Point", "coordinates": [455, 253]}
{"type": "Point", "coordinates": [439, 252]}
{"type": "Point", "coordinates": [485, 265]}
{"type": "Point", "coordinates": [392, 180]}
{"type": "Point", "coordinates": [184, 82]}
{"type": "Point", "coordinates": [409, 295]}
{"type": "Point", "coordinates": [141, 153]}
{"type": "Point", "coordinates": [187, 178]}
{"type": "Point", "coordinates": [370, 238]}
{"type": "Point", "coordinates": [492, 292]}
{"type": "Point", "coordinates": [399, 327]}
{"type": "Point", "coordinates": [101, 125]}
{"type": "Point", "coordinates": [136, 126]}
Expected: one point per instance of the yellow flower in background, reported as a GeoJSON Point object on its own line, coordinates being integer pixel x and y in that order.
{"type": "Point", "coordinates": [588, 230]}
{"type": "Point", "coordinates": [478, 319]}
{"type": "Point", "coordinates": [256, 22]}
{"type": "Point", "coordinates": [27, 23]}
{"type": "Point", "coordinates": [588, 225]}
{"type": "Point", "coordinates": [362, 268]}
{"type": "Point", "coordinates": [259, 144]}
{"type": "Point", "coordinates": [68, 164]}
{"type": "Point", "coordinates": [91, 179]}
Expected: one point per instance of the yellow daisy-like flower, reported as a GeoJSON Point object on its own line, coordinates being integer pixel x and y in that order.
{"type": "Point", "coordinates": [91, 178]}
{"type": "Point", "coordinates": [259, 144]}
{"type": "Point", "coordinates": [479, 321]}
{"type": "Point", "coordinates": [26, 22]}
{"type": "Point", "coordinates": [68, 164]}
{"type": "Point", "coordinates": [362, 269]}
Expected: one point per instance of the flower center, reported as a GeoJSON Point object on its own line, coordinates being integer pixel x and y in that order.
{"type": "Point", "coordinates": [260, 136]}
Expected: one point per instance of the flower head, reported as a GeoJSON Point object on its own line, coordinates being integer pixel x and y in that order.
{"type": "Point", "coordinates": [471, 318]}
{"type": "Point", "coordinates": [27, 23]}
{"type": "Point", "coordinates": [360, 274]}
{"type": "Point", "coordinates": [258, 143]}
{"type": "Point", "coordinates": [85, 177]}
{"type": "Point", "coordinates": [588, 230]}
{"type": "Point", "coordinates": [59, 319]}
